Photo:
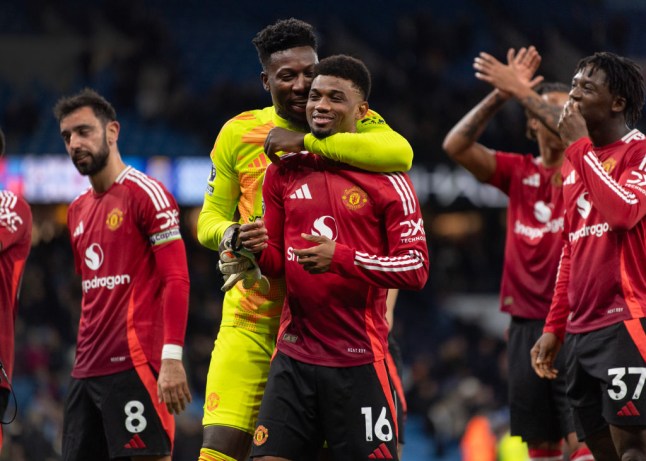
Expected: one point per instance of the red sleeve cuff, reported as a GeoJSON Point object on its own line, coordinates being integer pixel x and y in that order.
{"type": "Point", "coordinates": [559, 332]}
{"type": "Point", "coordinates": [342, 260]}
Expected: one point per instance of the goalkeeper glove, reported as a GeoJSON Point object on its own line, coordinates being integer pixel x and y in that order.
{"type": "Point", "coordinates": [237, 263]}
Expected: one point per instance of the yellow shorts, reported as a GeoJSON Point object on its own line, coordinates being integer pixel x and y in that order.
{"type": "Point", "coordinates": [237, 377]}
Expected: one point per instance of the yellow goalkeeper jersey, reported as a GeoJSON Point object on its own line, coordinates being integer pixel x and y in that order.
{"type": "Point", "coordinates": [235, 185]}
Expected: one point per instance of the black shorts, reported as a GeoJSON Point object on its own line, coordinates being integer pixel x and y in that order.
{"type": "Point", "coordinates": [114, 416]}
{"type": "Point", "coordinates": [395, 367]}
{"type": "Point", "coordinates": [539, 409]}
{"type": "Point", "coordinates": [351, 408]}
{"type": "Point", "coordinates": [606, 377]}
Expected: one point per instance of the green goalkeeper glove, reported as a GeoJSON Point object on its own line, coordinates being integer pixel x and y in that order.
{"type": "Point", "coordinates": [237, 263]}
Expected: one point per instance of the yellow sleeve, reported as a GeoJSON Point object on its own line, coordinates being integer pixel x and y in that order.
{"type": "Point", "coordinates": [222, 191]}
{"type": "Point", "coordinates": [374, 147]}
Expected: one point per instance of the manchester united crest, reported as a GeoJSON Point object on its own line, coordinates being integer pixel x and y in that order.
{"type": "Point", "coordinates": [609, 165]}
{"type": "Point", "coordinates": [212, 401]}
{"type": "Point", "coordinates": [260, 436]}
{"type": "Point", "coordinates": [114, 219]}
{"type": "Point", "coordinates": [354, 198]}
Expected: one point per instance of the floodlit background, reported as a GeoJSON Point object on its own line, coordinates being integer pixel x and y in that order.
{"type": "Point", "coordinates": [177, 70]}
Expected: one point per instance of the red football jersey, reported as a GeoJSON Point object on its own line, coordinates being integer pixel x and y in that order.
{"type": "Point", "coordinates": [338, 318]}
{"type": "Point", "coordinates": [602, 279]}
{"type": "Point", "coordinates": [534, 225]}
{"type": "Point", "coordinates": [15, 243]}
{"type": "Point", "coordinates": [114, 235]}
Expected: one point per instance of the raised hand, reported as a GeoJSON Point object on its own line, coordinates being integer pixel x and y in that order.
{"type": "Point", "coordinates": [513, 77]}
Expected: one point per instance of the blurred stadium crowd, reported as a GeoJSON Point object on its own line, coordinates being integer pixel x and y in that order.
{"type": "Point", "coordinates": [177, 70]}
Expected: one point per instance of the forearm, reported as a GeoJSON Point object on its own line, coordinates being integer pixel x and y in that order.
{"type": "Point", "coordinates": [407, 271]}
{"type": "Point", "coordinates": [557, 316]}
{"type": "Point", "coordinates": [271, 262]}
{"type": "Point", "coordinates": [173, 269]}
{"type": "Point", "coordinates": [547, 113]}
{"type": "Point", "coordinates": [378, 150]}
{"type": "Point", "coordinates": [215, 217]}
{"type": "Point", "coordinates": [469, 129]}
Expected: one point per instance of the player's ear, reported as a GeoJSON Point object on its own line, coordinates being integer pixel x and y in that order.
{"type": "Point", "coordinates": [112, 132]}
{"type": "Point", "coordinates": [265, 80]}
{"type": "Point", "coordinates": [619, 104]}
{"type": "Point", "coordinates": [362, 110]}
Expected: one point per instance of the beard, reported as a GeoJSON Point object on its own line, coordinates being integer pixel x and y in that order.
{"type": "Point", "coordinates": [97, 160]}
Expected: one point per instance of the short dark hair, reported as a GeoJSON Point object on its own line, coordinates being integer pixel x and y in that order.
{"type": "Point", "coordinates": [2, 142]}
{"type": "Point", "coordinates": [283, 35]}
{"type": "Point", "coordinates": [348, 68]}
{"type": "Point", "coordinates": [85, 98]}
{"type": "Point", "coordinates": [552, 87]}
{"type": "Point", "coordinates": [623, 77]}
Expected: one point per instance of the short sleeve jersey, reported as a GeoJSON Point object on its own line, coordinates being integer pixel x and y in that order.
{"type": "Point", "coordinates": [15, 242]}
{"type": "Point", "coordinates": [114, 235]}
{"type": "Point", "coordinates": [534, 225]}
{"type": "Point", "coordinates": [338, 318]}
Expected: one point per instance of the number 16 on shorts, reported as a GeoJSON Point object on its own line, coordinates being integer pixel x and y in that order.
{"type": "Point", "coordinates": [381, 428]}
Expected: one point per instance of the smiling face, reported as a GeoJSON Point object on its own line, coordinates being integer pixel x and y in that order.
{"type": "Point", "coordinates": [288, 76]}
{"type": "Point", "coordinates": [86, 140]}
{"type": "Point", "coordinates": [334, 106]}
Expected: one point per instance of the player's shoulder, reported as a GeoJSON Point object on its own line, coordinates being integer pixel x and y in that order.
{"type": "Point", "coordinates": [79, 199]}
{"type": "Point", "coordinates": [142, 186]}
{"type": "Point", "coordinates": [372, 118]}
{"type": "Point", "coordinates": [634, 141]}
{"type": "Point", "coordinates": [384, 184]}
{"type": "Point", "coordinates": [11, 200]}
{"type": "Point", "coordinates": [249, 119]}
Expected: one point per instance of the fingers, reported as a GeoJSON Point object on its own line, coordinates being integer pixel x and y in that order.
{"type": "Point", "coordinates": [176, 397]}
{"type": "Point", "coordinates": [543, 363]}
{"type": "Point", "coordinates": [536, 80]}
{"type": "Point", "coordinates": [253, 236]}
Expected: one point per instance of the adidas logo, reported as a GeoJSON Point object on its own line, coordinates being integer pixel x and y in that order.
{"type": "Point", "coordinates": [79, 230]}
{"type": "Point", "coordinates": [259, 162]}
{"type": "Point", "coordinates": [533, 180]}
{"type": "Point", "coordinates": [302, 192]}
{"type": "Point", "coordinates": [135, 442]}
{"type": "Point", "coordinates": [629, 410]}
{"type": "Point", "coordinates": [571, 178]}
{"type": "Point", "coordinates": [381, 452]}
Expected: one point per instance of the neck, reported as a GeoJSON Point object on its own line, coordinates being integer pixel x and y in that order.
{"type": "Point", "coordinates": [551, 157]}
{"type": "Point", "coordinates": [102, 181]}
{"type": "Point", "coordinates": [607, 134]}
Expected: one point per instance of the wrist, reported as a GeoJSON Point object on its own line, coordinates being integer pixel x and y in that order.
{"type": "Point", "coordinates": [171, 351]}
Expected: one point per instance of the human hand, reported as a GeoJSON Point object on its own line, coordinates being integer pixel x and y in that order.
{"type": "Point", "coordinates": [515, 76]}
{"type": "Point", "coordinates": [239, 264]}
{"type": "Point", "coordinates": [172, 386]}
{"type": "Point", "coordinates": [253, 236]}
{"type": "Point", "coordinates": [543, 355]}
{"type": "Point", "coordinates": [317, 259]}
{"type": "Point", "coordinates": [283, 140]}
{"type": "Point", "coordinates": [572, 125]}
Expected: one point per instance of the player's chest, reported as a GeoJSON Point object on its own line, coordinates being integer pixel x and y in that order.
{"type": "Point", "coordinates": [319, 193]}
{"type": "Point", "coordinates": [106, 224]}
